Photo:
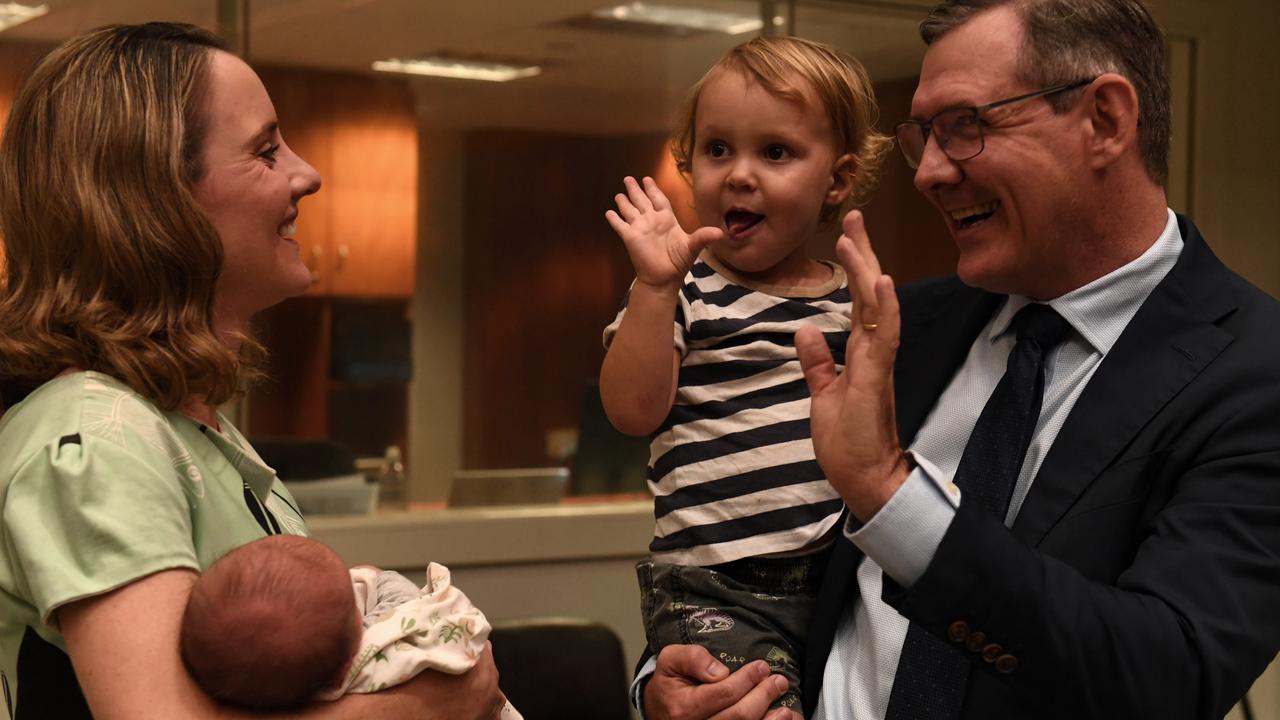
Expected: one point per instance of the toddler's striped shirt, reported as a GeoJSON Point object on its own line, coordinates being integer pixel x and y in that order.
{"type": "Point", "coordinates": [732, 467]}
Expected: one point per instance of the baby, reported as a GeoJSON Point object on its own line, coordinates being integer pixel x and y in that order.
{"type": "Point", "coordinates": [777, 141]}
{"type": "Point", "coordinates": [280, 622]}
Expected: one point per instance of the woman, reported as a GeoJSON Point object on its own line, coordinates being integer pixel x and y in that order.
{"type": "Point", "coordinates": [147, 206]}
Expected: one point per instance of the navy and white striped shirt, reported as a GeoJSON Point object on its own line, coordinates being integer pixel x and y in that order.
{"type": "Point", "coordinates": [732, 468]}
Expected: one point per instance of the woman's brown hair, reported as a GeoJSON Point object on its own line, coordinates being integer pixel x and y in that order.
{"type": "Point", "coordinates": [110, 264]}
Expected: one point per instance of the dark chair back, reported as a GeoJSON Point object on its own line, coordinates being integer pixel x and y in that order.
{"type": "Point", "coordinates": [562, 669]}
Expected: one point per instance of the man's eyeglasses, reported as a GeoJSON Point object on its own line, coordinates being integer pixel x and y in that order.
{"type": "Point", "coordinates": [958, 130]}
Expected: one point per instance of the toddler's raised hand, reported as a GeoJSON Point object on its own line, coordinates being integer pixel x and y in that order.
{"type": "Point", "coordinates": [661, 251]}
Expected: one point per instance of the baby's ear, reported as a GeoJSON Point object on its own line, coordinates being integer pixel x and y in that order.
{"type": "Point", "coordinates": [842, 174]}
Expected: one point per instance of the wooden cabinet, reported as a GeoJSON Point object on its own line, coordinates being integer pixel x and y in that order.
{"type": "Point", "coordinates": [543, 274]}
{"type": "Point", "coordinates": [359, 232]}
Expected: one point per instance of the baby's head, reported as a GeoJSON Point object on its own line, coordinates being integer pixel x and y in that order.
{"type": "Point", "coordinates": [271, 623]}
{"type": "Point", "coordinates": [827, 104]}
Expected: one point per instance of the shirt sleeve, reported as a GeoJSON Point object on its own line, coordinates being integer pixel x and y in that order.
{"type": "Point", "coordinates": [83, 517]}
{"type": "Point", "coordinates": [904, 535]}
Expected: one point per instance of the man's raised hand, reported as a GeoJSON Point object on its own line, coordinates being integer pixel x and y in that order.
{"type": "Point", "coordinates": [855, 434]}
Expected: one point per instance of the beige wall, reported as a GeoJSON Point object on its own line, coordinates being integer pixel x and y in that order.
{"type": "Point", "coordinates": [1235, 155]}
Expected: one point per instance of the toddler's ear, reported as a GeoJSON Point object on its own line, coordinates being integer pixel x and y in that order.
{"type": "Point", "coordinates": [842, 173]}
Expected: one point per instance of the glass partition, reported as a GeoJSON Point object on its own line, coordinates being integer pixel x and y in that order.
{"type": "Point", "coordinates": [462, 267]}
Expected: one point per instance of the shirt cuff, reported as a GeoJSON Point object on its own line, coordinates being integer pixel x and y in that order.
{"type": "Point", "coordinates": [904, 535]}
{"type": "Point", "coordinates": [637, 685]}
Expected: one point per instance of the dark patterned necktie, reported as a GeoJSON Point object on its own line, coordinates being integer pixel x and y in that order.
{"type": "Point", "coordinates": [931, 676]}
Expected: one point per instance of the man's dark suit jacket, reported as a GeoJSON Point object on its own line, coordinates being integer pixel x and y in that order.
{"type": "Point", "coordinates": [1141, 578]}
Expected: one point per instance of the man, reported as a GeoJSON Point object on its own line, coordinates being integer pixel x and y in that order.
{"type": "Point", "coordinates": [1126, 562]}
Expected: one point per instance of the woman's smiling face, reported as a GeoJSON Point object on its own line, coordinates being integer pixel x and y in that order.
{"type": "Point", "coordinates": [249, 191]}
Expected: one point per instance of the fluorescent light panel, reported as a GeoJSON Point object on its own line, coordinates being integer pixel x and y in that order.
{"type": "Point", "coordinates": [681, 17]}
{"type": "Point", "coordinates": [12, 13]}
{"type": "Point", "coordinates": [460, 69]}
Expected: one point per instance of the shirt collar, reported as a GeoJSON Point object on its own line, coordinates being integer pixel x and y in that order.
{"type": "Point", "coordinates": [1101, 310]}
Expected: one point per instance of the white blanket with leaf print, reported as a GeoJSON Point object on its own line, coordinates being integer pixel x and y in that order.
{"type": "Point", "coordinates": [408, 629]}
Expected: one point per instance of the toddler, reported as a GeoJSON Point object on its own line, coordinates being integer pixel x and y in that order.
{"type": "Point", "coordinates": [280, 622]}
{"type": "Point", "coordinates": [777, 141]}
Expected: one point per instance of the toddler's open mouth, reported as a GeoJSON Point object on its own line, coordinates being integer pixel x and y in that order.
{"type": "Point", "coordinates": [737, 222]}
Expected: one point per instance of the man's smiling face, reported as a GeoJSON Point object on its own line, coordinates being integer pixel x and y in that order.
{"type": "Point", "coordinates": [1013, 207]}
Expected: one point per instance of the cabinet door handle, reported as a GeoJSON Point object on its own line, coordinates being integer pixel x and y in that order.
{"type": "Point", "coordinates": [343, 252]}
{"type": "Point", "coordinates": [314, 265]}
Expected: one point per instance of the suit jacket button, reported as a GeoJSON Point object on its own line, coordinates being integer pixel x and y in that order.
{"type": "Point", "coordinates": [958, 631]}
{"type": "Point", "coordinates": [991, 652]}
{"type": "Point", "coordinates": [975, 641]}
{"type": "Point", "coordinates": [1006, 664]}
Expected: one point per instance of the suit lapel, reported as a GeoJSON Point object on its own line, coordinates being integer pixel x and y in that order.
{"type": "Point", "coordinates": [1168, 342]}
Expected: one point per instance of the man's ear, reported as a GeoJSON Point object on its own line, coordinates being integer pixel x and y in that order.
{"type": "Point", "coordinates": [1113, 115]}
{"type": "Point", "coordinates": [842, 173]}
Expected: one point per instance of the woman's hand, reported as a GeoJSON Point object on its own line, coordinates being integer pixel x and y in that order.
{"type": "Point", "coordinates": [661, 251]}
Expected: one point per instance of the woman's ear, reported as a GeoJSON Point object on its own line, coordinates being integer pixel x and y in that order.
{"type": "Point", "coordinates": [842, 173]}
{"type": "Point", "coordinates": [1113, 116]}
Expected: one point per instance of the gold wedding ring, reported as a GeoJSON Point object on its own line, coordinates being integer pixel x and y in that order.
{"type": "Point", "coordinates": [870, 326]}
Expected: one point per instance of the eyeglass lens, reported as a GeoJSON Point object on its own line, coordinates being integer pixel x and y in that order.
{"type": "Point", "coordinates": [957, 131]}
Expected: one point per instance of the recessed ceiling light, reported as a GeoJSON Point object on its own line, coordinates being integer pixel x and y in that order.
{"type": "Point", "coordinates": [458, 68]}
{"type": "Point", "coordinates": [11, 13]}
{"type": "Point", "coordinates": [687, 18]}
